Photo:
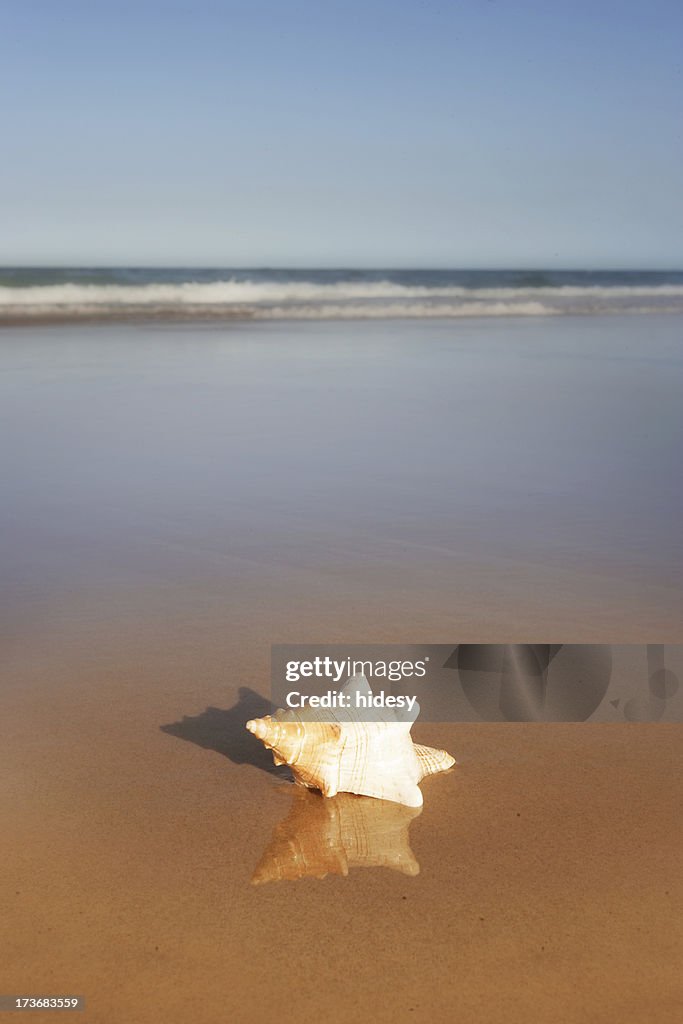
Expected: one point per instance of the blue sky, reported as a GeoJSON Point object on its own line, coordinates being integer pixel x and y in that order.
{"type": "Point", "coordinates": [320, 133]}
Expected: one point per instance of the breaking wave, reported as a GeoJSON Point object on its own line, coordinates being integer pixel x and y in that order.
{"type": "Point", "coordinates": [341, 299]}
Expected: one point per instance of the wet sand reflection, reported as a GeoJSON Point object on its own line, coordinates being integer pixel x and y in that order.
{"type": "Point", "coordinates": [320, 837]}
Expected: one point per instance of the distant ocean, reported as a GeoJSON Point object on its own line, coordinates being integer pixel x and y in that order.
{"type": "Point", "coordinates": [30, 294]}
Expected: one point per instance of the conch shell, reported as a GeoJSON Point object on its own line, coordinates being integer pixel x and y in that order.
{"type": "Point", "coordinates": [334, 752]}
{"type": "Point", "coordinates": [329, 837]}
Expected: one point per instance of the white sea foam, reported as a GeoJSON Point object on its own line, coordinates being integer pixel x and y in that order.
{"type": "Point", "coordinates": [336, 300]}
{"type": "Point", "coordinates": [414, 310]}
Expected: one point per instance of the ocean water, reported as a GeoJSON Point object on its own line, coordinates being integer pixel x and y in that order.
{"type": "Point", "coordinates": [181, 293]}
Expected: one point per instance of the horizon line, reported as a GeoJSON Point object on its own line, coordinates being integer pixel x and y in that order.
{"type": "Point", "coordinates": [343, 267]}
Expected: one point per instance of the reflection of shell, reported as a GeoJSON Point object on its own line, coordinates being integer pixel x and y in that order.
{"type": "Point", "coordinates": [328, 837]}
{"type": "Point", "coordinates": [335, 752]}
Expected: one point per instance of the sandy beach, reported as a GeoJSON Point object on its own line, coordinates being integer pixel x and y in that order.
{"type": "Point", "coordinates": [341, 367]}
{"type": "Point", "coordinates": [177, 502]}
{"type": "Point", "coordinates": [549, 883]}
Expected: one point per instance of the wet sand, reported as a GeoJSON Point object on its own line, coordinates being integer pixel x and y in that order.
{"type": "Point", "coordinates": [549, 883]}
{"type": "Point", "coordinates": [156, 544]}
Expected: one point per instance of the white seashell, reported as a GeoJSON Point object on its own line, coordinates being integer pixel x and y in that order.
{"type": "Point", "coordinates": [334, 752]}
{"type": "Point", "coordinates": [329, 837]}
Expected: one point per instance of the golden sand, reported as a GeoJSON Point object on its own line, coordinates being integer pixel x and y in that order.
{"type": "Point", "coordinates": [549, 884]}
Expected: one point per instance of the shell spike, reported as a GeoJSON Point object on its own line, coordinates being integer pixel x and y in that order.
{"type": "Point", "coordinates": [432, 760]}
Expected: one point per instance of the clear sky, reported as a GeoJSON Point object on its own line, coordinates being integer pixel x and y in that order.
{"type": "Point", "coordinates": [325, 133]}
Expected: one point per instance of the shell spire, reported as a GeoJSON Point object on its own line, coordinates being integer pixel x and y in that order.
{"type": "Point", "coordinates": [285, 739]}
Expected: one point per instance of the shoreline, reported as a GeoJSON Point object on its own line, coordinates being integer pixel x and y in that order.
{"type": "Point", "coordinates": [243, 316]}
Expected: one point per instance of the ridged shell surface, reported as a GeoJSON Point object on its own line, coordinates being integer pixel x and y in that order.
{"type": "Point", "coordinates": [331, 750]}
